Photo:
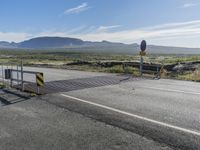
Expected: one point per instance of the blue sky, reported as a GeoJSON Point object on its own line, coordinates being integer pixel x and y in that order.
{"type": "Point", "coordinates": [161, 22]}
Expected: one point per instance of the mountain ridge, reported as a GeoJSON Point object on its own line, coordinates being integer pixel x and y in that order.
{"type": "Point", "coordinates": [76, 44]}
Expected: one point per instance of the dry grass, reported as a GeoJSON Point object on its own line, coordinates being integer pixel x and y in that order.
{"type": "Point", "coordinates": [190, 76]}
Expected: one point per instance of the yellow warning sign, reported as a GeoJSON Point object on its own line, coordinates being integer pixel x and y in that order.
{"type": "Point", "coordinates": [40, 79]}
{"type": "Point", "coordinates": [142, 53]}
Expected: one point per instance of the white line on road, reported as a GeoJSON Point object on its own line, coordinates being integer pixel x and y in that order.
{"type": "Point", "coordinates": [135, 116]}
{"type": "Point", "coordinates": [170, 90]}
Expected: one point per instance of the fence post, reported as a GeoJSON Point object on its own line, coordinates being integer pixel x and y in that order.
{"type": "Point", "coordinates": [22, 76]}
{"type": "Point", "coordinates": [17, 75]}
{"type": "Point", "coordinates": [2, 73]}
{"type": "Point", "coordinates": [11, 78]}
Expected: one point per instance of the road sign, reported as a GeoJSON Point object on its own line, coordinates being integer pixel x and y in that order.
{"type": "Point", "coordinates": [143, 45]}
{"type": "Point", "coordinates": [40, 79]}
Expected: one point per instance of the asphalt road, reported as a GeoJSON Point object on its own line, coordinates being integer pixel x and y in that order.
{"type": "Point", "coordinates": [137, 113]}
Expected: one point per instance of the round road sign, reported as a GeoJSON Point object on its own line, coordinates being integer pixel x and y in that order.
{"type": "Point", "coordinates": [143, 45]}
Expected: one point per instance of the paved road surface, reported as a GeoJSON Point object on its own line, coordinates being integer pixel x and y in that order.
{"type": "Point", "coordinates": [158, 113]}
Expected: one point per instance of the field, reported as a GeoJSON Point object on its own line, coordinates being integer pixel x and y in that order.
{"type": "Point", "coordinates": [112, 63]}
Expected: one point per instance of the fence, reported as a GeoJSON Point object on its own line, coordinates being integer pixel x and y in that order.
{"type": "Point", "coordinates": [5, 70]}
{"type": "Point", "coordinates": [154, 70]}
{"type": "Point", "coordinates": [13, 75]}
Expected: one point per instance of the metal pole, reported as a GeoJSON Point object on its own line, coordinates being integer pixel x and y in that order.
{"type": "Point", "coordinates": [22, 76]}
{"type": "Point", "coordinates": [141, 65]}
{"type": "Point", "coordinates": [17, 75]}
{"type": "Point", "coordinates": [2, 74]}
{"type": "Point", "coordinates": [11, 77]}
{"type": "Point", "coordinates": [7, 81]}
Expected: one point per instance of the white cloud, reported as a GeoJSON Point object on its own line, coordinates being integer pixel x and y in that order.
{"type": "Point", "coordinates": [77, 29]}
{"type": "Point", "coordinates": [187, 5]}
{"type": "Point", "coordinates": [177, 34]}
{"type": "Point", "coordinates": [107, 28]}
{"type": "Point", "coordinates": [12, 36]}
{"type": "Point", "coordinates": [77, 9]}
{"type": "Point", "coordinates": [174, 34]}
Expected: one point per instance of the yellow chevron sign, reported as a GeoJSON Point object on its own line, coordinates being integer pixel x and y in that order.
{"type": "Point", "coordinates": [40, 79]}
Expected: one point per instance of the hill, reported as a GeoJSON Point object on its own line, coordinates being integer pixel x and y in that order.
{"type": "Point", "coordinates": [49, 42]}
{"type": "Point", "coordinates": [73, 44]}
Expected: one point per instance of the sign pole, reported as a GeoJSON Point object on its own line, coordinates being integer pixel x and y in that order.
{"type": "Point", "coordinates": [141, 65]}
{"type": "Point", "coordinates": [143, 47]}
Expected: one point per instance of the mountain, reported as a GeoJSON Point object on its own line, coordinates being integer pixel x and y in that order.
{"type": "Point", "coordinates": [73, 44]}
{"type": "Point", "coordinates": [50, 42]}
{"type": "Point", "coordinates": [4, 44]}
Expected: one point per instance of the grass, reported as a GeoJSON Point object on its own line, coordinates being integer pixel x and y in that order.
{"type": "Point", "coordinates": [115, 69]}
{"type": "Point", "coordinates": [53, 56]}
{"type": "Point", "coordinates": [59, 59]}
{"type": "Point", "coordinates": [190, 76]}
{"type": "Point", "coordinates": [2, 86]}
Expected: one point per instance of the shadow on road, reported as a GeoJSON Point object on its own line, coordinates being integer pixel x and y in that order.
{"type": "Point", "coordinates": [4, 101]}
{"type": "Point", "coordinates": [77, 84]}
{"type": "Point", "coordinates": [12, 97]}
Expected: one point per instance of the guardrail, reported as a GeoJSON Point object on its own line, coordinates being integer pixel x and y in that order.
{"type": "Point", "coordinates": [154, 69]}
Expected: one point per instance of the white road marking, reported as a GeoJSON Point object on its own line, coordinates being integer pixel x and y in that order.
{"type": "Point", "coordinates": [135, 116]}
{"type": "Point", "coordinates": [170, 90]}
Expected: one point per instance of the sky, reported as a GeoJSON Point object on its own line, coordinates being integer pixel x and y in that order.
{"type": "Point", "coordinates": [159, 22]}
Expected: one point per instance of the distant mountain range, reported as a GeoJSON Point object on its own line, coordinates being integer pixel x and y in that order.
{"type": "Point", "coordinates": [73, 44]}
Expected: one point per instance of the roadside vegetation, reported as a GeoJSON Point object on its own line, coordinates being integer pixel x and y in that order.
{"type": "Point", "coordinates": [2, 85]}
{"type": "Point", "coordinates": [111, 63]}
{"type": "Point", "coordinates": [190, 76]}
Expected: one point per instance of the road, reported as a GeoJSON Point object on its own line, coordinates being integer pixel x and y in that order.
{"type": "Point", "coordinates": [138, 113]}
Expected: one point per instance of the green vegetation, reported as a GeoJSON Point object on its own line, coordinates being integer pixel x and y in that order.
{"type": "Point", "coordinates": [52, 56]}
{"type": "Point", "coordinates": [2, 86]}
{"type": "Point", "coordinates": [95, 62]}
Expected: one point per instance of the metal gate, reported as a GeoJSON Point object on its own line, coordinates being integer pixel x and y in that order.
{"type": "Point", "coordinates": [6, 74]}
{"type": "Point", "coordinates": [12, 75]}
